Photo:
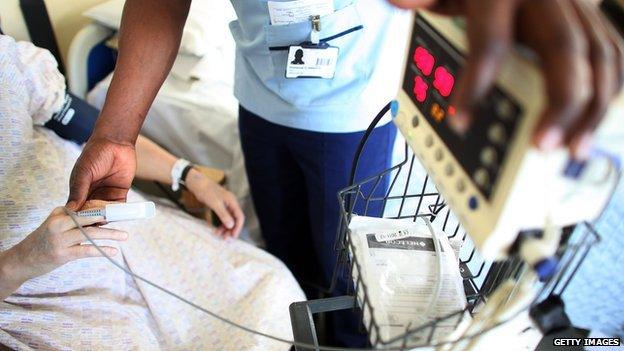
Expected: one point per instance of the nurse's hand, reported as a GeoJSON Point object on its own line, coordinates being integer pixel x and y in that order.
{"type": "Point", "coordinates": [56, 242]}
{"type": "Point", "coordinates": [104, 171]}
{"type": "Point", "coordinates": [580, 52]}
{"type": "Point", "coordinates": [218, 199]}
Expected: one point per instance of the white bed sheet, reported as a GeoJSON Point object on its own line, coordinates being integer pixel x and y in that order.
{"type": "Point", "coordinates": [91, 305]}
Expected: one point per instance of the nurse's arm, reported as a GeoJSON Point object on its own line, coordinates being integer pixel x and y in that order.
{"type": "Point", "coordinates": [149, 39]}
{"type": "Point", "coordinates": [150, 36]}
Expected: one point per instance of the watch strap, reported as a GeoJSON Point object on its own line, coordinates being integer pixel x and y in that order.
{"type": "Point", "coordinates": [176, 173]}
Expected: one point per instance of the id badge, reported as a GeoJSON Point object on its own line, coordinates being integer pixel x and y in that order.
{"type": "Point", "coordinates": [311, 62]}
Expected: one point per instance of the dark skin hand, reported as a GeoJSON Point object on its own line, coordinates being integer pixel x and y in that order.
{"type": "Point", "coordinates": [107, 177]}
{"type": "Point", "coordinates": [580, 53]}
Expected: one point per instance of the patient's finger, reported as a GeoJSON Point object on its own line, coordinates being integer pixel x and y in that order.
{"type": "Point", "coordinates": [75, 236]}
{"type": "Point", "coordinates": [239, 216]}
{"type": "Point", "coordinates": [84, 251]}
{"type": "Point", "coordinates": [60, 210]}
{"type": "Point", "coordinates": [63, 222]}
{"type": "Point", "coordinates": [224, 215]}
{"type": "Point", "coordinates": [219, 231]}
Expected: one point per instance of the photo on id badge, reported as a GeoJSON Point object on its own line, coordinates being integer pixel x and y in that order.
{"type": "Point", "coordinates": [311, 62]}
{"type": "Point", "coordinates": [298, 58]}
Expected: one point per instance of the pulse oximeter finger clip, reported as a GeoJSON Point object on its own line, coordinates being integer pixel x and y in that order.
{"type": "Point", "coordinates": [122, 211]}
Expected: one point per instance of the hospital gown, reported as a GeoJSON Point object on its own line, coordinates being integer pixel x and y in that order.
{"type": "Point", "coordinates": [89, 304]}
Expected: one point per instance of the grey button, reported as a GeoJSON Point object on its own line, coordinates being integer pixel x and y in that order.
{"type": "Point", "coordinates": [438, 154]}
{"type": "Point", "coordinates": [461, 185]}
{"type": "Point", "coordinates": [481, 177]}
{"type": "Point", "coordinates": [488, 156]}
{"type": "Point", "coordinates": [497, 134]}
{"type": "Point", "coordinates": [449, 169]}
{"type": "Point", "coordinates": [429, 141]}
{"type": "Point", "coordinates": [504, 109]}
{"type": "Point", "coordinates": [415, 121]}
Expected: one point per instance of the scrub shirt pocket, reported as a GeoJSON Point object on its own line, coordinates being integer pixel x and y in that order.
{"type": "Point", "coordinates": [341, 29]}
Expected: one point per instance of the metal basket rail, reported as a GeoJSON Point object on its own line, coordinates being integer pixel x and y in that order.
{"type": "Point", "coordinates": [411, 197]}
{"type": "Point", "coordinates": [405, 191]}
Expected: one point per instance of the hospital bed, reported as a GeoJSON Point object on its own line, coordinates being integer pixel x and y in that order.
{"type": "Point", "coordinates": [89, 304]}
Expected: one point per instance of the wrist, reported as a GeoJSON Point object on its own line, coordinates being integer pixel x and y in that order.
{"type": "Point", "coordinates": [179, 173]}
{"type": "Point", "coordinates": [194, 180]}
{"type": "Point", "coordinates": [114, 133]}
{"type": "Point", "coordinates": [11, 269]}
{"type": "Point", "coordinates": [103, 137]}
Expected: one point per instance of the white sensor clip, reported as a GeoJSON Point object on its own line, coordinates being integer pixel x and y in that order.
{"type": "Point", "coordinates": [122, 211]}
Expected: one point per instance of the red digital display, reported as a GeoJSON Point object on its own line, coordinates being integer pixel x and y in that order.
{"type": "Point", "coordinates": [424, 60]}
{"type": "Point", "coordinates": [443, 81]}
{"type": "Point", "coordinates": [420, 89]}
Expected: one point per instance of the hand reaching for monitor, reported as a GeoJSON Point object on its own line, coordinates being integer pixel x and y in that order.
{"type": "Point", "coordinates": [56, 242]}
{"type": "Point", "coordinates": [580, 53]}
{"type": "Point", "coordinates": [218, 199]}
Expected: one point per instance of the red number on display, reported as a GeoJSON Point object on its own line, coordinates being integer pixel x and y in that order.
{"type": "Point", "coordinates": [424, 60]}
{"type": "Point", "coordinates": [420, 89]}
{"type": "Point", "coordinates": [443, 81]}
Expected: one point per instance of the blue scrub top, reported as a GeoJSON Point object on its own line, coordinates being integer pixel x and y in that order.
{"type": "Point", "coordinates": [370, 35]}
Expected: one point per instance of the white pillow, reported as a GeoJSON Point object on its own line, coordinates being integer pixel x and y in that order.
{"type": "Point", "coordinates": [205, 26]}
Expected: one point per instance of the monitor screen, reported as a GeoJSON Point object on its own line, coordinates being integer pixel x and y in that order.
{"type": "Point", "coordinates": [430, 78]}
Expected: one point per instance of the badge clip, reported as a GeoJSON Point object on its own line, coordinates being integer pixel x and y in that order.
{"type": "Point", "coordinates": [316, 29]}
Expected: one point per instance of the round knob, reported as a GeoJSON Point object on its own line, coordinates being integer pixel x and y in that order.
{"type": "Point", "coordinates": [497, 134]}
{"type": "Point", "coordinates": [481, 177]}
{"type": "Point", "coordinates": [461, 186]}
{"type": "Point", "coordinates": [429, 141]}
{"type": "Point", "coordinates": [488, 156]}
{"type": "Point", "coordinates": [504, 109]}
{"type": "Point", "coordinates": [438, 154]}
{"type": "Point", "coordinates": [449, 169]}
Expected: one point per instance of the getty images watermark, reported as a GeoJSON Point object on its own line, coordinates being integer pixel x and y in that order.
{"type": "Point", "coordinates": [587, 342]}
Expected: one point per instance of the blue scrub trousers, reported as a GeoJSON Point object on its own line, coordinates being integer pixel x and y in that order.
{"type": "Point", "coordinates": [295, 176]}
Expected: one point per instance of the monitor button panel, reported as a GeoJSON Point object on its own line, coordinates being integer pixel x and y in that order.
{"type": "Point", "coordinates": [430, 78]}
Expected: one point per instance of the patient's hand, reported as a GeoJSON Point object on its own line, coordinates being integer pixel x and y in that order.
{"type": "Point", "coordinates": [56, 242]}
{"type": "Point", "coordinates": [221, 201]}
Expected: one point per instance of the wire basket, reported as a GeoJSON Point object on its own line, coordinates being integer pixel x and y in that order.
{"type": "Point", "coordinates": [405, 191]}
{"type": "Point", "coordinates": [411, 194]}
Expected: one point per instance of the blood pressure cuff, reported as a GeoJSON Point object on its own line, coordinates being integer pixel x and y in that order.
{"type": "Point", "coordinates": [75, 121]}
